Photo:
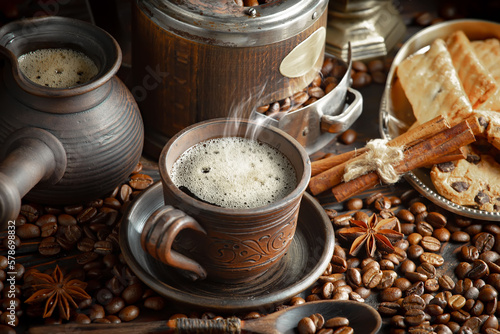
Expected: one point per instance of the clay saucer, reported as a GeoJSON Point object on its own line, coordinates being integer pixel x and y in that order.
{"type": "Point", "coordinates": [307, 258]}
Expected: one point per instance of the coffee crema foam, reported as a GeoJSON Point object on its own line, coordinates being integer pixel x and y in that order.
{"type": "Point", "coordinates": [57, 68]}
{"type": "Point", "coordinates": [235, 172]}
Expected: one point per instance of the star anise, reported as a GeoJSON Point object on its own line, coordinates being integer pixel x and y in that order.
{"type": "Point", "coordinates": [374, 234]}
{"type": "Point", "coordinates": [57, 291]}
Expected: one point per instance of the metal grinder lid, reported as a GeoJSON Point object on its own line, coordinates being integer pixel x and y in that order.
{"type": "Point", "coordinates": [223, 22]}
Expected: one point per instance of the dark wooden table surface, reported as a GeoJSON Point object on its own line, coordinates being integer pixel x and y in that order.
{"type": "Point", "coordinates": [114, 17]}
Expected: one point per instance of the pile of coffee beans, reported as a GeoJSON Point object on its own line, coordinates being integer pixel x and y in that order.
{"type": "Point", "coordinates": [443, 276]}
{"type": "Point", "coordinates": [85, 239]}
{"type": "Point", "coordinates": [332, 72]}
{"type": "Point", "coordinates": [316, 323]}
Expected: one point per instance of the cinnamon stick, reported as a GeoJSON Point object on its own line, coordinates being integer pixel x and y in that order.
{"type": "Point", "coordinates": [321, 165]}
{"type": "Point", "coordinates": [331, 171]}
{"type": "Point", "coordinates": [408, 138]}
{"type": "Point", "coordinates": [416, 156]}
{"type": "Point", "coordinates": [455, 155]}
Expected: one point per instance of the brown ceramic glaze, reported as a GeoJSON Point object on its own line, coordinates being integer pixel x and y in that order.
{"type": "Point", "coordinates": [220, 243]}
{"type": "Point", "coordinates": [63, 146]}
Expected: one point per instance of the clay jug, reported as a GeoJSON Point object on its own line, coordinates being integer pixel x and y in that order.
{"type": "Point", "coordinates": [62, 146]}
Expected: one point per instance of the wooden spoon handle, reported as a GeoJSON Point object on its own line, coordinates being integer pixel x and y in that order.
{"type": "Point", "coordinates": [122, 328]}
{"type": "Point", "coordinates": [179, 326]}
{"type": "Point", "coordinates": [218, 326]}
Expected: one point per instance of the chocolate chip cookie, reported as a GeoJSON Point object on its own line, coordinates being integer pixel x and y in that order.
{"type": "Point", "coordinates": [474, 181]}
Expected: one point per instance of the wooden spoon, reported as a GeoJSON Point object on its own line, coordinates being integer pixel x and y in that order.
{"type": "Point", "coordinates": [362, 317]}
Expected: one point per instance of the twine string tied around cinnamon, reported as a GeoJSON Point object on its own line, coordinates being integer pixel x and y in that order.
{"type": "Point", "coordinates": [379, 158]}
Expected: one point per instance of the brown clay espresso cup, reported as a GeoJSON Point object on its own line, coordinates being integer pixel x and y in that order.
{"type": "Point", "coordinates": [220, 243]}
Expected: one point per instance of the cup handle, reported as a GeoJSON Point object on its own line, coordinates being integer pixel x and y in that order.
{"type": "Point", "coordinates": [158, 236]}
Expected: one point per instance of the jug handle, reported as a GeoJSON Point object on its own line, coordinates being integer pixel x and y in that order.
{"type": "Point", "coordinates": [159, 233]}
{"type": "Point", "coordinates": [31, 156]}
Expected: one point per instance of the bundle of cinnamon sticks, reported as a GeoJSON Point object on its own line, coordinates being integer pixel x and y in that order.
{"type": "Point", "coordinates": [427, 144]}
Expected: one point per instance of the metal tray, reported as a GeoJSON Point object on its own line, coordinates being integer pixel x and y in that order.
{"type": "Point", "coordinates": [396, 114]}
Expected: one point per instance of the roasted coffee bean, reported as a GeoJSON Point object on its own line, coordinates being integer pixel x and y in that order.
{"type": "Point", "coordinates": [414, 276]}
{"type": "Point", "coordinates": [398, 321]}
{"type": "Point", "coordinates": [402, 244]}
{"type": "Point", "coordinates": [388, 308]}
{"type": "Point", "coordinates": [484, 241]}
{"type": "Point", "coordinates": [382, 203]}
{"type": "Point", "coordinates": [375, 65]}
{"type": "Point", "coordinates": [28, 231]}
{"type": "Point", "coordinates": [414, 317]}
{"type": "Point", "coordinates": [424, 228]}
{"type": "Point", "coordinates": [436, 219]}
{"type": "Point", "coordinates": [372, 277]}
{"type": "Point", "coordinates": [353, 277]}
{"type": "Point", "coordinates": [415, 251]}
{"type": "Point", "coordinates": [434, 310]}
{"type": "Point", "coordinates": [30, 212]}
{"type": "Point", "coordinates": [348, 137]}
{"type": "Point", "coordinates": [414, 238]}
{"type": "Point", "coordinates": [104, 296]}
{"type": "Point", "coordinates": [85, 244]}
{"type": "Point", "coordinates": [413, 302]}
{"type": "Point", "coordinates": [337, 322]}
{"type": "Point", "coordinates": [359, 66]}
{"type": "Point", "coordinates": [361, 79]}
{"type": "Point", "coordinates": [478, 270]}
{"type": "Point", "coordinates": [65, 219]}
{"type": "Point", "coordinates": [388, 278]}
{"type": "Point", "coordinates": [462, 269]}
{"type": "Point", "coordinates": [327, 290]}
{"type": "Point", "coordinates": [363, 292]}
{"type": "Point", "coordinates": [446, 282]}
{"type": "Point", "coordinates": [115, 305]}
{"type": "Point", "coordinates": [155, 303]}
{"type": "Point", "coordinates": [86, 215]}
{"type": "Point", "coordinates": [103, 247]}
{"type": "Point", "coordinates": [427, 269]}
{"type": "Point", "coordinates": [460, 316]}
{"type": "Point", "coordinates": [456, 302]}
{"type": "Point", "coordinates": [129, 313]}
{"type": "Point", "coordinates": [430, 244]}
{"type": "Point", "coordinates": [432, 258]}
{"type": "Point", "coordinates": [415, 289]}
{"type": "Point", "coordinates": [354, 204]}
{"type": "Point", "coordinates": [306, 326]}
{"type": "Point", "coordinates": [417, 207]}
{"type": "Point", "coordinates": [42, 220]}
{"type": "Point", "coordinates": [487, 294]}
{"type": "Point", "coordinates": [342, 220]}
{"type": "Point", "coordinates": [460, 236]}
{"type": "Point", "coordinates": [489, 321]}
{"type": "Point", "coordinates": [339, 265]}
{"type": "Point", "coordinates": [140, 181]}
{"type": "Point", "coordinates": [86, 257]}
{"type": "Point", "coordinates": [402, 283]}
{"type": "Point", "coordinates": [489, 256]}
{"type": "Point", "coordinates": [390, 294]}
{"type": "Point", "coordinates": [405, 216]}
{"type": "Point", "coordinates": [96, 312]}
{"type": "Point", "coordinates": [297, 301]}
{"type": "Point", "coordinates": [442, 234]}
{"type": "Point", "coordinates": [49, 247]}
{"type": "Point", "coordinates": [469, 253]}
{"type": "Point", "coordinates": [362, 216]}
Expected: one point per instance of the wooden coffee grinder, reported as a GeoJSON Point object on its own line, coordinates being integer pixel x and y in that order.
{"type": "Point", "coordinates": [195, 60]}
